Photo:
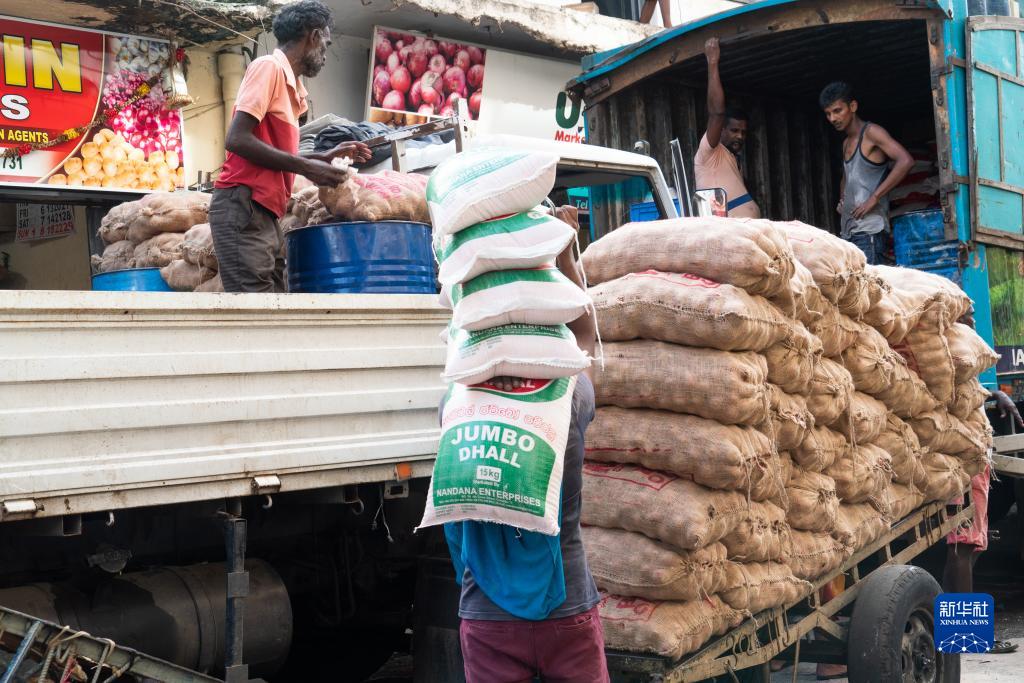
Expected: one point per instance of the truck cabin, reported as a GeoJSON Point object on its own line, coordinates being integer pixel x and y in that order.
{"type": "Point", "coordinates": [776, 59]}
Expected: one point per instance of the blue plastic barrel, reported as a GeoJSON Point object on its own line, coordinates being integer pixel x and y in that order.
{"type": "Point", "coordinates": [920, 241]}
{"type": "Point", "coordinates": [388, 257]}
{"type": "Point", "coordinates": [646, 211]}
{"type": "Point", "coordinates": [130, 280]}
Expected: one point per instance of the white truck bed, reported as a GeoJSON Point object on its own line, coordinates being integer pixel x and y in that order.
{"type": "Point", "coordinates": [111, 400]}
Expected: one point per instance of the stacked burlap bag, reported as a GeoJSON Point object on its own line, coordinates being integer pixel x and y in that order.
{"type": "Point", "coordinates": [942, 404]}
{"type": "Point", "coordinates": [685, 496]}
{"type": "Point", "coordinates": [166, 230]}
{"type": "Point", "coordinates": [741, 354]}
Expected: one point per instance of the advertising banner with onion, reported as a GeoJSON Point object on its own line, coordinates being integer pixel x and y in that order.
{"type": "Point", "coordinates": [89, 109]}
{"type": "Point", "coordinates": [414, 77]}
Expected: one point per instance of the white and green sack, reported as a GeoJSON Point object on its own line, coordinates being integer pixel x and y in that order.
{"type": "Point", "coordinates": [534, 351]}
{"type": "Point", "coordinates": [540, 296]}
{"type": "Point", "coordinates": [501, 455]}
{"type": "Point", "coordinates": [481, 184]}
{"type": "Point", "coordinates": [523, 240]}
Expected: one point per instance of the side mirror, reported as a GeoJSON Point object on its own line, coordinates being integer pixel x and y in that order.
{"type": "Point", "coordinates": [711, 202]}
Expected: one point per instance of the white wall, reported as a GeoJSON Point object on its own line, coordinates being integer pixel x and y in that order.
{"type": "Point", "coordinates": [689, 10]}
{"type": "Point", "coordinates": [204, 119]}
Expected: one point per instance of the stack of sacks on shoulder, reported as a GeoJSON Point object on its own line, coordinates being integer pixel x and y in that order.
{"type": "Point", "coordinates": [501, 452]}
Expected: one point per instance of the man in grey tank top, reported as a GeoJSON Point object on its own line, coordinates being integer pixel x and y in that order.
{"type": "Point", "coordinates": [873, 164]}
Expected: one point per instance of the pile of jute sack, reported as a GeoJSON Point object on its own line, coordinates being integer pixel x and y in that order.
{"type": "Point", "coordinates": [384, 196]}
{"type": "Point", "coordinates": [769, 405]}
{"type": "Point", "coordinates": [501, 451]}
{"type": "Point", "coordinates": [165, 230]}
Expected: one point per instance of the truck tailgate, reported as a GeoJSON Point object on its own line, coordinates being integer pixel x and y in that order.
{"type": "Point", "coordinates": [122, 399]}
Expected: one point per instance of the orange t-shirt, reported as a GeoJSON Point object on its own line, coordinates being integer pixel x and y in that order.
{"type": "Point", "coordinates": [717, 167]}
{"type": "Point", "coordinates": [270, 93]}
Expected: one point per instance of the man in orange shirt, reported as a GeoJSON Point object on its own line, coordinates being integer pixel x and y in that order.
{"type": "Point", "coordinates": [254, 186]}
{"type": "Point", "coordinates": [716, 163]}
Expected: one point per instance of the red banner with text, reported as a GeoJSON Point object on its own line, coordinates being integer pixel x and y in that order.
{"type": "Point", "coordinates": [58, 81]}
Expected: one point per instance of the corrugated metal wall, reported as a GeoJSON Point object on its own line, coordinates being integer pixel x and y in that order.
{"type": "Point", "coordinates": [791, 161]}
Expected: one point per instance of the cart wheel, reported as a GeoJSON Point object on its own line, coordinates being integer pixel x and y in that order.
{"type": "Point", "coordinates": [891, 630]}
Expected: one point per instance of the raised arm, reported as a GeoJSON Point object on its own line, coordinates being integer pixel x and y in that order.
{"type": "Point", "coordinates": [716, 94]}
{"type": "Point", "coordinates": [880, 138]}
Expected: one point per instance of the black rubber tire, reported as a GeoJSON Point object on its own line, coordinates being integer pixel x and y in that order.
{"type": "Point", "coordinates": [891, 630]}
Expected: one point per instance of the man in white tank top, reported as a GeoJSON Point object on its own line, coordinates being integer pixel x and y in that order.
{"type": "Point", "coordinates": [873, 164]}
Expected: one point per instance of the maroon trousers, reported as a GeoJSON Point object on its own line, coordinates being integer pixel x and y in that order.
{"type": "Point", "coordinates": [568, 650]}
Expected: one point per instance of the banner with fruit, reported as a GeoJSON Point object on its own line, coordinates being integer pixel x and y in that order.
{"type": "Point", "coordinates": [87, 108]}
{"type": "Point", "coordinates": [414, 77]}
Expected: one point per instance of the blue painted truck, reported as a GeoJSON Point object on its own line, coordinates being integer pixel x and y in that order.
{"type": "Point", "coordinates": [780, 52]}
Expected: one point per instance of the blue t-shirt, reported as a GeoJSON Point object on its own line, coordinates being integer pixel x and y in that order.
{"type": "Point", "coordinates": [580, 592]}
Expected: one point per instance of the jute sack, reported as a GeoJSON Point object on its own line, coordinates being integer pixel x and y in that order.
{"type": "Point", "coordinates": [761, 536]}
{"type": "Point", "coordinates": [668, 629]}
{"type": "Point", "coordinates": [496, 462]}
{"type": "Point", "coordinates": [384, 196]}
{"type": "Point", "coordinates": [541, 296]}
{"type": "Point", "coordinates": [975, 458]}
{"type": "Point", "coordinates": [870, 361]}
{"type": "Point", "coordinates": [787, 468]}
{"type": "Point", "coordinates": [922, 299]}
{"type": "Point", "coordinates": [116, 256]}
{"type": "Point", "coordinates": [907, 395]}
{"type": "Point", "coordinates": [114, 225]}
{"type": "Point", "coordinates": [816, 554]}
{"type": "Point", "coordinates": [902, 500]}
{"type": "Point", "coordinates": [831, 392]}
{"type": "Point", "coordinates": [836, 331]}
{"type": "Point", "coordinates": [632, 565]}
{"type": "Point", "coordinates": [903, 446]}
{"type": "Point", "coordinates": [967, 398]}
{"type": "Point", "coordinates": [791, 361]}
{"type": "Point", "coordinates": [900, 310]}
{"type": "Point", "coordinates": [168, 212]}
{"type": "Point", "coordinates": [862, 475]}
{"type": "Point", "coordinates": [856, 300]}
{"type": "Point", "coordinates": [304, 203]}
{"type": "Point", "coordinates": [182, 276]}
{"type": "Point", "coordinates": [832, 261]}
{"type": "Point", "coordinates": [789, 419]}
{"type": "Point", "coordinates": [159, 251]}
{"type": "Point", "coordinates": [863, 420]}
{"type": "Point", "coordinates": [480, 184]}
{"type": "Point", "coordinates": [712, 454]}
{"type": "Point", "coordinates": [719, 385]}
{"type": "Point", "coordinates": [971, 355]}
{"type": "Point", "coordinates": [197, 247]}
{"type": "Point", "coordinates": [820, 448]}
{"type": "Point", "coordinates": [758, 586]}
{"type": "Point", "coordinates": [747, 254]}
{"type": "Point", "coordinates": [686, 309]}
{"type": "Point", "coordinates": [523, 240]}
{"type": "Point", "coordinates": [859, 524]}
{"type": "Point", "coordinates": [813, 503]}
{"type": "Point", "coordinates": [534, 351]}
{"type": "Point", "coordinates": [214, 284]}
{"type": "Point", "coordinates": [946, 478]}
{"type": "Point", "coordinates": [942, 432]}
{"type": "Point", "coordinates": [801, 300]}
{"type": "Point", "coordinates": [659, 505]}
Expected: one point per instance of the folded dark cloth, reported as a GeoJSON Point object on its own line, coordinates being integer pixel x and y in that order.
{"type": "Point", "coordinates": [333, 135]}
